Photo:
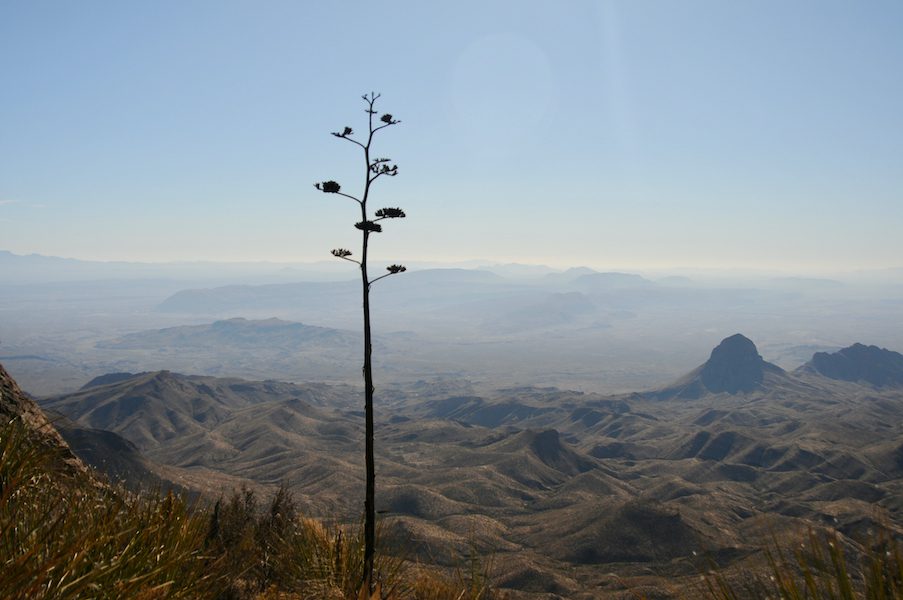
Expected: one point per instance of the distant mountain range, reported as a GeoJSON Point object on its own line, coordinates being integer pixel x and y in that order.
{"type": "Point", "coordinates": [509, 324]}
{"type": "Point", "coordinates": [241, 334]}
{"type": "Point", "coordinates": [37, 268]}
{"type": "Point", "coordinates": [442, 285]}
{"type": "Point", "coordinates": [254, 348]}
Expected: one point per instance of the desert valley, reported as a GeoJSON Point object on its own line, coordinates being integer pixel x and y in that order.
{"type": "Point", "coordinates": [573, 492]}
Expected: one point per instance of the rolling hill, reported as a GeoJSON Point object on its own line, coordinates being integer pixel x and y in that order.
{"type": "Point", "coordinates": [555, 482]}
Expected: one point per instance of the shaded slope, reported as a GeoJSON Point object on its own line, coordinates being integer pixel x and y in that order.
{"type": "Point", "coordinates": [635, 531]}
{"type": "Point", "coordinates": [115, 457]}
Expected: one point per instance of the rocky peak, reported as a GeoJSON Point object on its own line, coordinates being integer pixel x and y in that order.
{"type": "Point", "coordinates": [871, 364]}
{"type": "Point", "coordinates": [734, 366]}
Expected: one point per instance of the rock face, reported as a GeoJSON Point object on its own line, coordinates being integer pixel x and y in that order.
{"type": "Point", "coordinates": [14, 404]}
{"type": "Point", "coordinates": [734, 367]}
{"type": "Point", "coordinates": [871, 364]}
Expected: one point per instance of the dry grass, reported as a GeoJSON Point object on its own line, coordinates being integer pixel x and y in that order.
{"type": "Point", "coordinates": [63, 538]}
{"type": "Point", "coordinates": [819, 569]}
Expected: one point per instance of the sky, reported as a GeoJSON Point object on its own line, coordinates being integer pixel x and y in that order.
{"type": "Point", "coordinates": [612, 134]}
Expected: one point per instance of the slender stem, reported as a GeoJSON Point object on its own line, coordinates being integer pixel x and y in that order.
{"type": "Point", "coordinates": [378, 175]}
{"type": "Point", "coordinates": [370, 168]}
{"type": "Point", "coordinates": [381, 277]}
{"type": "Point", "coordinates": [370, 498]}
{"type": "Point", "coordinates": [345, 137]}
{"type": "Point", "coordinates": [357, 262]}
{"type": "Point", "coordinates": [386, 125]}
{"type": "Point", "coordinates": [347, 196]}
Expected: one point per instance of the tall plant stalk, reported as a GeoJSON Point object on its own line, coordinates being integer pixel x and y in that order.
{"type": "Point", "coordinates": [374, 169]}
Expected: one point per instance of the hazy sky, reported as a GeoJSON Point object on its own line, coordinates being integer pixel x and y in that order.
{"type": "Point", "coordinates": [611, 134]}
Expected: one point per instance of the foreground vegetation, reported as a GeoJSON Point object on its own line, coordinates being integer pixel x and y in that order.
{"type": "Point", "coordinates": [64, 536]}
{"type": "Point", "coordinates": [818, 569]}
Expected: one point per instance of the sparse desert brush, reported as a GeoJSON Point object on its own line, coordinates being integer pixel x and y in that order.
{"type": "Point", "coordinates": [273, 551]}
{"type": "Point", "coordinates": [326, 561]}
{"type": "Point", "coordinates": [819, 569]}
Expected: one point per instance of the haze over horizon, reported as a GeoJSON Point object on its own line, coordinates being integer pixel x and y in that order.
{"type": "Point", "coordinates": [620, 135]}
{"type": "Point", "coordinates": [334, 270]}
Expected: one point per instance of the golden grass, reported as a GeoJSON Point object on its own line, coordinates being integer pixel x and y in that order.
{"type": "Point", "coordinates": [62, 538]}
{"type": "Point", "coordinates": [65, 538]}
{"type": "Point", "coordinates": [819, 569]}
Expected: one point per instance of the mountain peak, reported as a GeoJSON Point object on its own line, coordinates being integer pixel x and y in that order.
{"type": "Point", "coordinates": [736, 344]}
{"type": "Point", "coordinates": [735, 366]}
{"type": "Point", "coordinates": [871, 364]}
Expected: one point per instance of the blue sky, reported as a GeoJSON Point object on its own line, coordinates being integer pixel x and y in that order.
{"type": "Point", "coordinates": [634, 134]}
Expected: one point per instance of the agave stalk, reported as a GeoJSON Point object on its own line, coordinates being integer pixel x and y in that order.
{"type": "Point", "coordinates": [374, 169]}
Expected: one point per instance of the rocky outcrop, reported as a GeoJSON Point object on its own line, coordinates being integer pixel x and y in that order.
{"type": "Point", "coordinates": [16, 405]}
{"type": "Point", "coordinates": [859, 363]}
